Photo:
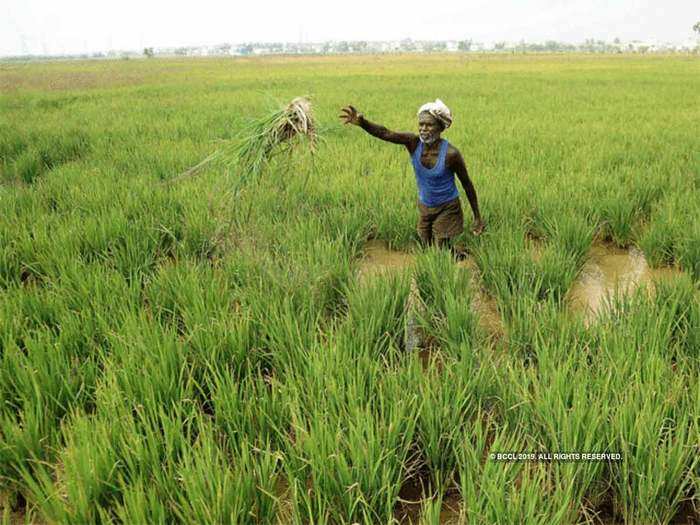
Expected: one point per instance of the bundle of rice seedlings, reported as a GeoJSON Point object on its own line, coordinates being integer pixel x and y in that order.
{"type": "Point", "coordinates": [274, 133]}
{"type": "Point", "coordinates": [279, 131]}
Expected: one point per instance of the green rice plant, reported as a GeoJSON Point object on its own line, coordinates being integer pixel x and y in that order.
{"type": "Point", "coordinates": [347, 457]}
{"type": "Point", "coordinates": [659, 455]}
{"type": "Point", "coordinates": [649, 423]}
{"type": "Point", "coordinates": [43, 373]}
{"type": "Point", "coordinates": [528, 282]}
{"type": "Point", "coordinates": [617, 215]}
{"type": "Point", "coordinates": [620, 211]}
{"type": "Point", "coordinates": [355, 470]}
{"type": "Point", "coordinates": [557, 269]}
{"type": "Point", "coordinates": [43, 152]}
{"type": "Point", "coordinates": [661, 234]}
{"type": "Point", "coordinates": [505, 264]}
{"type": "Point", "coordinates": [570, 234]}
{"type": "Point", "coordinates": [647, 324]}
{"type": "Point", "coordinates": [689, 249]}
{"type": "Point", "coordinates": [26, 440]}
{"type": "Point", "coordinates": [523, 316]}
{"type": "Point", "coordinates": [109, 239]}
{"type": "Point", "coordinates": [216, 489]}
{"type": "Point", "coordinates": [309, 385]}
{"type": "Point", "coordinates": [148, 365]}
{"type": "Point", "coordinates": [9, 517]}
{"type": "Point", "coordinates": [430, 510]}
{"type": "Point", "coordinates": [27, 166]}
{"type": "Point", "coordinates": [107, 452]}
{"type": "Point", "coordinates": [570, 412]}
{"type": "Point", "coordinates": [224, 345]}
{"type": "Point", "coordinates": [12, 143]}
{"type": "Point", "coordinates": [152, 333]}
{"type": "Point", "coordinates": [249, 412]}
{"type": "Point", "coordinates": [314, 268]}
{"type": "Point", "coordinates": [73, 489]}
{"type": "Point", "coordinates": [33, 256]}
{"type": "Point", "coordinates": [448, 293]}
{"type": "Point", "coordinates": [448, 406]}
{"type": "Point", "coordinates": [187, 296]}
{"type": "Point", "coordinates": [141, 502]}
{"type": "Point", "coordinates": [675, 303]}
{"type": "Point", "coordinates": [41, 381]}
{"type": "Point", "coordinates": [498, 491]}
{"type": "Point", "coordinates": [283, 333]}
{"type": "Point", "coordinates": [510, 268]}
{"type": "Point", "coordinates": [375, 318]}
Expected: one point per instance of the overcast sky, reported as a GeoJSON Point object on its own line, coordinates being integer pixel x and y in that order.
{"type": "Point", "coordinates": [77, 26]}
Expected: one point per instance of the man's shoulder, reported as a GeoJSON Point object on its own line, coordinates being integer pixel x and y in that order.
{"type": "Point", "coordinates": [452, 149]}
{"type": "Point", "coordinates": [453, 154]}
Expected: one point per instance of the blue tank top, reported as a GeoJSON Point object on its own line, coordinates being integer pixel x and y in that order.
{"type": "Point", "coordinates": [436, 185]}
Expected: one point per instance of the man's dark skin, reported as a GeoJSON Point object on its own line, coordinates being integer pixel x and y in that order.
{"type": "Point", "coordinates": [429, 128]}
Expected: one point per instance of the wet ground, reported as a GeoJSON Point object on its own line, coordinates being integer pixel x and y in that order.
{"type": "Point", "coordinates": [408, 511]}
{"type": "Point", "coordinates": [609, 271]}
{"type": "Point", "coordinates": [483, 304]}
{"type": "Point", "coordinates": [379, 259]}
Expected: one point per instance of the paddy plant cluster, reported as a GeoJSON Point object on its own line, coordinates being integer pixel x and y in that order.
{"type": "Point", "coordinates": [184, 353]}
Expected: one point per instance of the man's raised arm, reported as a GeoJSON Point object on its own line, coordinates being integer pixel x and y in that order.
{"type": "Point", "coordinates": [352, 116]}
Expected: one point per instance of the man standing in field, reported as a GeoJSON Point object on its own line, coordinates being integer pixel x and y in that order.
{"type": "Point", "coordinates": [435, 163]}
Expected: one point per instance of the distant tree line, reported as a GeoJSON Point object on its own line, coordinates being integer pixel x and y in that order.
{"type": "Point", "coordinates": [408, 45]}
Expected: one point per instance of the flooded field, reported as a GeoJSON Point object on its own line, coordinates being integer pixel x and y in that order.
{"type": "Point", "coordinates": [378, 259]}
{"type": "Point", "coordinates": [612, 272]}
{"type": "Point", "coordinates": [608, 272]}
{"type": "Point", "coordinates": [230, 348]}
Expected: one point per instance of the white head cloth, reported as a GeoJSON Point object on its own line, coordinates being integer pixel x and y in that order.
{"type": "Point", "coordinates": [439, 110]}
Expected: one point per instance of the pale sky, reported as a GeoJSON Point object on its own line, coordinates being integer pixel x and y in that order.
{"type": "Point", "coordinates": [78, 26]}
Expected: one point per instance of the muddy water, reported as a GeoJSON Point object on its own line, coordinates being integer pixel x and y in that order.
{"type": "Point", "coordinates": [482, 304]}
{"type": "Point", "coordinates": [408, 511]}
{"type": "Point", "coordinates": [379, 259]}
{"type": "Point", "coordinates": [610, 270]}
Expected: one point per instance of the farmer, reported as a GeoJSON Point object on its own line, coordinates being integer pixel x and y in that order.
{"type": "Point", "coordinates": [435, 163]}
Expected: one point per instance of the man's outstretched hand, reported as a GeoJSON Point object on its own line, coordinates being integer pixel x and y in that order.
{"type": "Point", "coordinates": [350, 116]}
{"type": "Point", "coordinates": [478, 227]}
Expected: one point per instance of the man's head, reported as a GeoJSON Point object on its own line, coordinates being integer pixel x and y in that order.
{"type": "Point", "coordinates": [429, 128]}
{"type": "Point", "coordinates": [433, 119]}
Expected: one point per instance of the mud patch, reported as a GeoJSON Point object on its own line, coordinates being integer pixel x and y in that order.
{"type": "Point", "coordinates": [379, 259]}
{"type": "Point", "coordinates": [482, 304]}
{"type": "Point", "coordinates": [283, 500]}
{"type": "Point", "coordinates": [411, 501]}
{"type": "Point", "coordinates": [14, 510]}
{"type": "Point", "coordinates": [608, 271]}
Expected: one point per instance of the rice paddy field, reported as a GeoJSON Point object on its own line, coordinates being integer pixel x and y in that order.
{"type": "Point", "coordinates": [210, 351]}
